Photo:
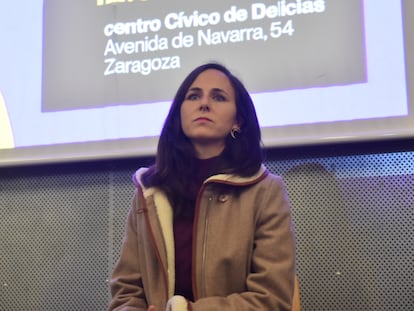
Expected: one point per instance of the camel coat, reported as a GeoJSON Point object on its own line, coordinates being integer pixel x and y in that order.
{"type": "Point", "coordinates": [243, 248]}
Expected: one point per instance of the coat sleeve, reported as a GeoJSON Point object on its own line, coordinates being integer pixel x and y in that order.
{"type": "Point", "coordinates": [273, 261]}
{"type": "Point", "coordinates": [126, 281]}
{"type": "Point", "coordinates": [270, 282]}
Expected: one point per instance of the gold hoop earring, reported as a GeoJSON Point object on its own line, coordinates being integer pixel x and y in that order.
{"type": "Point", "coordinates": [235, 132]}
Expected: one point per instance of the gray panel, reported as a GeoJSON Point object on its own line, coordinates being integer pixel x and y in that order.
{"type": "Point", "coordinates": [354, 218]}
{"type": "Point", "coordinates": [61, 229]}
{"type": "Point", "coordinates": [54, 230]}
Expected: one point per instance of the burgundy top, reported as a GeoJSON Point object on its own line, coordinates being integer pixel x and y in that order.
{"type": "Point", "coordinates": [183, 230]}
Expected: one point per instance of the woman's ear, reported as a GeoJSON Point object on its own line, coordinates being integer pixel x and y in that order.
{"type": "Point", "coordinates": [236, 126]}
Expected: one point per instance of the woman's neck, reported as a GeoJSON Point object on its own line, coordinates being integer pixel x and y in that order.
{"type": "Point", "coordinates": [206, 151]}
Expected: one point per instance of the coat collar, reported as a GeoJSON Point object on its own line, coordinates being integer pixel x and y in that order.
{"type": "Point", "coordinates": [229, 179]}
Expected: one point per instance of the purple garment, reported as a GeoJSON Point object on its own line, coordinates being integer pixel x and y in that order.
{"type": "Point", "coordinates": [183, 229]}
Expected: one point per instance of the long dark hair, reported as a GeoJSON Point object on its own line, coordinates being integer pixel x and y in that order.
{"type": "Point", "coordinates": [173, 168]}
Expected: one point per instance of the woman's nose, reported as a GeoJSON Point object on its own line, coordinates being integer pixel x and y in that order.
{"type": "Point", "coordinates": [204, 104]}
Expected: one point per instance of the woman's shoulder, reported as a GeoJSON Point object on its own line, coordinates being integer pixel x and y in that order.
{"type": "Point", "coordinates": [273, 177]}
{"type": "Point", "coordinates": [137, 176]}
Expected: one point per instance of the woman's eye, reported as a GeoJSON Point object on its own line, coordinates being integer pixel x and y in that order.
{"type": "Point", "coordinates": [219, 98]}
{"type": "Point", "coordinates": [193, 96]}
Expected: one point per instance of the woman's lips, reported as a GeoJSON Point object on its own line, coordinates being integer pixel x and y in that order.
{"type": "Point", "coordinates": [202, 119]}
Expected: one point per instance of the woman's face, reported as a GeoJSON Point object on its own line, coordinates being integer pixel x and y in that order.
{"type": "Point", "coordinates": [208, 112]}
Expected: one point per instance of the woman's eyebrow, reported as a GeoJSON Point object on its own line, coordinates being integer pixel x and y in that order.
{"type": "Point", "coordinates": [218, 90]}
{"type": "Point", "coordinates": [194, 89]}
{"type": "Point", "coordinates": [213, 90]}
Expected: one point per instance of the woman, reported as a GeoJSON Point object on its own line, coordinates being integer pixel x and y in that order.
{"type": "Point", "coordinates": [210, 227]}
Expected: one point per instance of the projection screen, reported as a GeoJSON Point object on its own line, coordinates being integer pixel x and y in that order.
{"type": "Point", "coordinates": [90, 79]}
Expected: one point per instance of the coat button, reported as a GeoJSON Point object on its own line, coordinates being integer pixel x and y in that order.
{"type": "Point", "coordinates": [223, 198]}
